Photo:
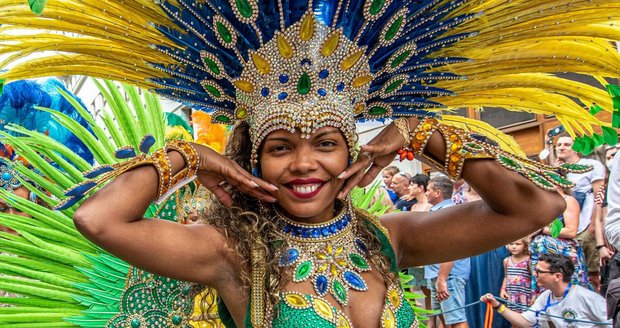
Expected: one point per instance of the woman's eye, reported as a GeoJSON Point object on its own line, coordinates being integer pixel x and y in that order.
{"type": "Point", "coordinates": [327, 143]}
{"type": "Point", "coordinates": [4, 209]}
{"type": "Point", "coordinates": [280, 148]}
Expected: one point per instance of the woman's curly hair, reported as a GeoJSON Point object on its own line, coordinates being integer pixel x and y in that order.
{"type": "Point", "coordinates": [248, 225]}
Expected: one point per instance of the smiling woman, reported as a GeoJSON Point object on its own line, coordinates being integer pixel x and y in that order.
{"type": "Point", "coordinates": [282, 244]}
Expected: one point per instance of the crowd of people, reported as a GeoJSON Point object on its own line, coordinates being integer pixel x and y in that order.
{"type": "Point", "coordinates": [577, 235]}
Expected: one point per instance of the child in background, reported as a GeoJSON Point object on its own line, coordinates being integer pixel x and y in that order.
{"type": "Point", "coordinates": [517, 288]}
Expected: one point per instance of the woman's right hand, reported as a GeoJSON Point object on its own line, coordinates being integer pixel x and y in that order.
{"type": "Point", "coordinates": [489, 298]}
{"type": "Point", "coordinates": [214, 170]}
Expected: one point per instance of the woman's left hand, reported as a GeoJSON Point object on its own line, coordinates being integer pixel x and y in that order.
{"type": "Point", "coordinates": [373, 157]}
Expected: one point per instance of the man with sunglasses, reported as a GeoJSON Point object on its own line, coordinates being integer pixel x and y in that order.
{"type": "Point", "coordinates": [562, 304]}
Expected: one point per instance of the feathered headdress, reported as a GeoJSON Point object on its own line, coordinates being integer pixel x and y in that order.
{"type": "Point", "coordinates": [304, 64]}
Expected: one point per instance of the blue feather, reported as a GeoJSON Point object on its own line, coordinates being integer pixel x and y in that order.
{"type": "Point", "coordinates": [17, 106]}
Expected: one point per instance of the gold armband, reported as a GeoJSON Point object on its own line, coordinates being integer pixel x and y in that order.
{"type": "Point", "coordinates": [159, 159]}
{"type": "Point", "coordinates": [462, 146]}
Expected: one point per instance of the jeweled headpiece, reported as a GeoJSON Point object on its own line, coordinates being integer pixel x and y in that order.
{"type": "Point", "coordinates": [302, 64]}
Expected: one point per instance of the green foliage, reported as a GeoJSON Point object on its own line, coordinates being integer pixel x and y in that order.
{"type": "Point", "coordinates": [362, 199]}
{"type": "Point", "coordinates": [411, 297]}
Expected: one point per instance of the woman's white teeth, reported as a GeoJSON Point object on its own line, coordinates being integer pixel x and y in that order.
{"type": "Point", "coordinates": [306, 189]}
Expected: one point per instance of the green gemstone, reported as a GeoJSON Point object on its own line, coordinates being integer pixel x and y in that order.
{"type": "Point", "coordinates": [213, 90]}
{"type": "Point", "coordinates": [377, 110]}
{"type": "Point", "coordinates": [509, 162]}
{"type": "Point", "coordinates": [393, 29]}
{"type": "Point", "coordinates": [223, 31]}
{"type": "Point", "coordinates": [176, 319]}
{"type": "Point", "coordinates": [304, 84]}
{"type": "Point", "coordinates": [576, 168]}
{"type": "Point", "coordinates": [340, 291]}
{"type": "Point", "coordinates": [375, 6]}
{"type": "Point", "coordinates": [542, 181]}
{"type": "Point", "coordinates": [223, 118]}
{"type": "Point", "coordinates": [244, 7]}
{"type": "Point", "coordinates": [557, 179]}
{"type": "Point", "coordinates": [473, 146]}
{"type": "Point", "coordinates": [358, 261]}
{"type": "Point", "coordinates": [393, 86]}
{"type": "Point", "coordinates": [399, 59]}
{"type": "Point", "coordinates": [303, 270]}
{"type": "Point", "coordinates": [135, 323]}
{"type": "Point", "coordinates": [212, 65]}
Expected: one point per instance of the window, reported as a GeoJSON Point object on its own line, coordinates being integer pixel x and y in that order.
{"type": "Point", "coordinates": [501, 118]}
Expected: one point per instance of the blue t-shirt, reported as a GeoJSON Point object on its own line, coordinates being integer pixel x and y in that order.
{"type": "Point", "coordinates": [461, 268]}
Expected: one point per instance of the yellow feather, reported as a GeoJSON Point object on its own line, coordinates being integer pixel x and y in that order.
{"type": "Point", "coordinates": [505, 141]}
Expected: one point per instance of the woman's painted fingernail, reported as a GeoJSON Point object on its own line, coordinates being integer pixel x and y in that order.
{"type": "Point", "coordinates": [254, 184]}
{"type": "Point", "coordinates": [273, 187]}
{"type": "Point", "coordinates": [341, 175]}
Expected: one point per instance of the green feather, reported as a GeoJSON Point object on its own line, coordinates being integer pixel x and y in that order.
{"type": "Point", "coordinates": [66, 272]}
{"type": "Point", "coordinates": [139, 110]}
{"type": "Point", "coordinates": [100, 134]}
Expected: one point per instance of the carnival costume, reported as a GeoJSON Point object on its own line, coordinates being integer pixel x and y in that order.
{"type": "Point", "coordinates": [56, 277]}
{"type": "Point", "coordinates": [300, 66]}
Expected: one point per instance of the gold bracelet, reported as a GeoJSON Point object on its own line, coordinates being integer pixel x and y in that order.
{"type": "Point", "coordinates": [501, 309]}
{"type": "Point", "coordinates": [189, 156]}
{"type": "Point", "coordinates": [402, 125]}
{"type": "Point", "coordinates": [162, 164]}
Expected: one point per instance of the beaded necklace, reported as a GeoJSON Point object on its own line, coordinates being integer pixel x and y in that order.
{"type": "Point", "coordinates": [329, 254]}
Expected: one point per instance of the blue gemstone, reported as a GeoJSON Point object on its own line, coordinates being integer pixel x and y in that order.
{"type": "Point", "coordinates": [340, 86]}
{"type": "Point", "coordinates": [287, 228]}
{"type": "Point", "coordinates": [81, 189]}
{"type": "Point", "coordinates": [94, 173]}
{"type": "Point", "coordinates": [283, 78]}
{"type": "Point", "coordinates": [323, 74]}
{"type": "Point", "coordinates": [360, 246]}
{"type": "Point", "coordinates": [339, 225]}
{"type": "Point", "coordinates": [289, 257]}
{"type": "Point", "coordinates": [321, 285]}
{"type": "Point", "coordinates": [146, 143]}
{"type": "Point", "coordinates": [305, 232]}
{"type": "Point", "coordinates": [296, 231]}
{"type": "Point", "coordinates": [282, 95]}
{"type": "Point", "coordinates": [325, 232]}
{"type": "Point", "coordinates": [6, 176]}
{"type": "Point", "coordinates": [306, 61]}
{"type": "Point", "coordinates": [264, 92]}
{"type": "Point", "coordinates": [125, 153]}
{"type": "Point", "coordinates": [322, 92]}
{"type": "Point", "coordinates": [355, 281]}
{"type": "Point", "coordinates": [315, 233]}
{"type": "Point", "coordinates": [333, 229]}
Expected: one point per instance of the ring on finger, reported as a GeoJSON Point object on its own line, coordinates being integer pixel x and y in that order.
{"type": "Point", "coordinates": [367, 155]}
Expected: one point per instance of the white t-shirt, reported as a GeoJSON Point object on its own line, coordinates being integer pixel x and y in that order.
{"type": "Point", "coordinates": [612, 221]}
{"type": "Point", "coordinates": [583, 183]}
{"type": "Point", "coordinates": [579, 304]}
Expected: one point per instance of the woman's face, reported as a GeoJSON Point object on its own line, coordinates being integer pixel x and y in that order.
{"type": "Point", "coordinates": [415, 189]}
{"type": "Point", "coordinates": [305, 171]}
{"type": "Point", "coordinates": [22, 192]}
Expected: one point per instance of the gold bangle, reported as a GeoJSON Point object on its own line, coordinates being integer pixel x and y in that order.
{"type": "Point", "coordinates": [501, 309]}
{"type": "Point", "coordinates": [402, 125]}
{"type": "Point", "coordinates": [160, 160]}
{"type": "Point", "coordinates": [190, 157]}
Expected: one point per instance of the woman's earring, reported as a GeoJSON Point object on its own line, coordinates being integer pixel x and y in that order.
{"type": "Point", "coordinates": [256, 172]}
{"type": "Point", "coordinates": [33, 197]}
